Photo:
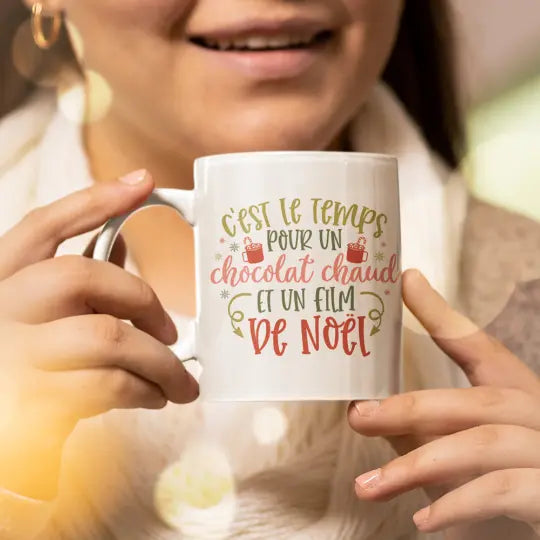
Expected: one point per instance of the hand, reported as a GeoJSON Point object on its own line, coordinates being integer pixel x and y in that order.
{"type": "Point", "coordinates": [65, 352]}
{"type": "Point", "coordinates": [481, 443]}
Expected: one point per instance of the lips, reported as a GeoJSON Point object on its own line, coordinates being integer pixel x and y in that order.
{"type": "Point", "coordinates": [265, 49]}
{"type": "Point", "coordinates": [263, 35]}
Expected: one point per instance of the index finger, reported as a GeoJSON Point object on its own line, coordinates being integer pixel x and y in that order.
{"type": "Point", "coordinates": [484, 360]}
{"type": "Point", "coordinates": [39, 234]}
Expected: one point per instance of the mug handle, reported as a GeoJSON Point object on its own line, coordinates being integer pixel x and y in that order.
{"type": "Point", "coordinates": [244, 256]}
{"type": "Point", "coordinates": [182, 200]}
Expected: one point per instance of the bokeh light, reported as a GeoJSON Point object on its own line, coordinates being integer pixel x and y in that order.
{"type": "Point", "coordinates": [196, 494]}
{"type": "Point", "coordinates": [40, 67]}
{"type": "Point", "coordinates": [80, 101]}
{"type": "Point", "coordinates": [85, 103]}
{"type": "Point", "coordinates": [269, 425]}
{"type": "Point", "coordinates": [503, 164]}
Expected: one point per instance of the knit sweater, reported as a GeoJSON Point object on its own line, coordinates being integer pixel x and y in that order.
{"type": "Point", "coordinates": [123, 474]}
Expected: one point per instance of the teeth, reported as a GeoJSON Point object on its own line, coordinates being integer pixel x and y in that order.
{"type": "Point", "coordinates": [255, 42]}
{"type": "Point", "coordinates": [224, 45]}
{"type": "Point", "coordinates": [260, 42]}
{"type": "Point", "coordinates": [279, 42]}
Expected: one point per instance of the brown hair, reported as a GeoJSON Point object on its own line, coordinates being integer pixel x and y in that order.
{"type": "Point", "coordinates": [421, 70]}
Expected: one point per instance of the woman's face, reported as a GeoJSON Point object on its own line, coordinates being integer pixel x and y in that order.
{"type": "Point", "coordinates": [213, 76]}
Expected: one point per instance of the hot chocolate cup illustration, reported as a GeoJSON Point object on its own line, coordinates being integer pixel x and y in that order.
{"type": "Point", "coordinates": [356, 251]}
{"type": "Point", "coordinates": [253, 253]}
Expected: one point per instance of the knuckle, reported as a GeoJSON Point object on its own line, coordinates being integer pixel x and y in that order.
{"type": "Point", "coordinates": [110, 330]}
{"type": "Point", "coordinates": [42, 219]}
{"type": "Point", "coordinates": [408, 405]}
{"type": "Point", "coordinates": [147, 296]}
{"type": "Point", "coordinates": [76, 273]}
{"type": "Point", "coordinates": [503, 484]}
{"type": "Point", "coordinates": [440, 329]}
{"type": "Point", "coordinates": [91, 200]}
{"type": "Point", "coordinates": [169, 370]}
{"type": "Point", "coordinates": [490, 396]}
{"type": "Point", "coordinates": [120, 383]}
{"type": "Point", "coordinates": [417, 461]}
{"type": "Point", "coordinates": [486, 435]}
{"type": "Point", "coordinates": [176, 369]}
{"type": "Point", "coordinates": [404, 469]}
{"type": "Point", "coordinates": [36, 217]}
{"type": "Point", "coordinates": [86, 200]}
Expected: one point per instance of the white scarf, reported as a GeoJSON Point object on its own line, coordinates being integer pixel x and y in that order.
{"type": "Point", "coordinates": [314, 466]}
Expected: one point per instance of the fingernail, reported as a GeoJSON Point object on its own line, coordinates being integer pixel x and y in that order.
{"type": "Point", "coordinates": [421, 517]}
{"type": "Point", "coordinates": [366, 408]}
{"type": "Point", "coordinates": [369, 480]}
{"type": "Point", "coordinates": [135, 177]}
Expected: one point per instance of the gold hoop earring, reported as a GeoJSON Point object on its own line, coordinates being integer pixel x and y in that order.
{"type": "Point", "coordinates": [38, 16]}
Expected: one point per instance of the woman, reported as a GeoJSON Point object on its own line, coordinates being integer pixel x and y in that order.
{"type": "Point", "coordinates": [229, 76]}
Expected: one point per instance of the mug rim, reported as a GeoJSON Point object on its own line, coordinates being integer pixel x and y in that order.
{"type": "Point", "coordinates": [311, 154]}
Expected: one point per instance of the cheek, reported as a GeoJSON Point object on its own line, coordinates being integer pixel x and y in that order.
{"type": "Point", "coordinates": [370, 36]}
{"type": "Point", "coordinates": [361, 9]}
{"type": "Point", "coordinates": [124, 14]}
{"type": "Point", "coordinates": [375, 21]}
{"type": "Point", "coordinates": [121, 38]}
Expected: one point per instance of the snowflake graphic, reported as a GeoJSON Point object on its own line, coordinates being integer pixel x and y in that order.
{"type": "Point", "coordinates": [224, 294]}
{"type": "Point", "coordinates": [379, 256]}
{"type": "Point", "coordinates": [387, 292]}
{"type": "Point", "coordinates": [234, 247]}
{"type": "Point", "coordinates": [218, 256]}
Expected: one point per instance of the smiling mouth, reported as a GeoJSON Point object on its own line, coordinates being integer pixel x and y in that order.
{"type": "Point", "coordinates": [264, 43]}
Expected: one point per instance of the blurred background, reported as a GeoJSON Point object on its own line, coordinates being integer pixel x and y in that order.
{"type": "Point", "coordinates": [499, 60]}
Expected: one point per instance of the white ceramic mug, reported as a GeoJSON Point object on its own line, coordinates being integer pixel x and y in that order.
{"type": "Point", "coordinates": [298, 274]}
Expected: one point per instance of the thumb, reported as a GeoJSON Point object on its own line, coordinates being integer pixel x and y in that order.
{"type": "Point", "coordinates": [484, 360]}
{"type": "Point", "coordinates": [39, 234]}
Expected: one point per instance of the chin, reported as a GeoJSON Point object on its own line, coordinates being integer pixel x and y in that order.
{"type": "Point", "coordinates": [267, 140]}
{"type": "Point", "coordinates": [275, 131]}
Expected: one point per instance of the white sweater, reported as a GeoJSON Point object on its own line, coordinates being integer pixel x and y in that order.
{"type": "Point", "coordinates": [251, 471]}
